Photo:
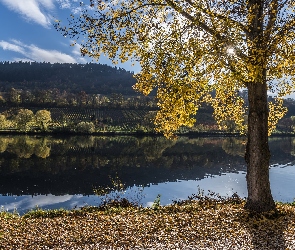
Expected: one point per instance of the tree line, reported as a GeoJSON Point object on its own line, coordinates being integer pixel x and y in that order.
{"type": "Point", "coordinates": [57, 98]}
{"type": "Point", "coordinates": [70, 77]}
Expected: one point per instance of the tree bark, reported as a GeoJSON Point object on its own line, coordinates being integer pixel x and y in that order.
{"type": "Point", "coordinates": [257, 151]}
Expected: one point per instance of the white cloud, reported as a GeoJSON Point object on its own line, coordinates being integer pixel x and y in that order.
{"type": "Point", "coordinates": [52, 56]}
{"type": "Point", "coordinates": [32, 10]}
{"type": "Point", "coordinates": [49, 4]}
{"type": "Point", "coordinates": [72, 5]}
{"type": "Point", "coordinates": [27, 202]}
{"type": "Point", "coordinates": [34, 53]}
{"type": "Point", "coordinates": [40, 11]}
{"type": "Point", "coordinates": [17, 42]}
{"type": "Point", "coordinates": [76, 52]}
{"type": "Point", "coordinates": [12, 47]}
{"type": "Point", "coordinates": [77, 10]}
{"type": "Point", "coordinates": [64, 4]}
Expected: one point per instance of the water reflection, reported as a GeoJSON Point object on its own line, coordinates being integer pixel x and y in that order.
{"type": "Point", "coordinates": [62, 171]}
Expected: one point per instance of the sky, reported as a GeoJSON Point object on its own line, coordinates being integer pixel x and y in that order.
{"type": "Point", "coordinates": [27, 32]}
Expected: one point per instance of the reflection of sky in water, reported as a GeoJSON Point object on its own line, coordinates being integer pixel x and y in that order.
{"type": "Point", "coordinates": [282, 181]}
{"type": "Point", "coordinates": [281, 176]}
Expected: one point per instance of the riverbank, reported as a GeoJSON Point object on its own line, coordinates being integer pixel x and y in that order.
{"type": "Point", "coordinates": [203, 224]}
{"type": "Point", "coordinates": [105, 122]}
{"type": "Point", "coordinates": [139, 133]}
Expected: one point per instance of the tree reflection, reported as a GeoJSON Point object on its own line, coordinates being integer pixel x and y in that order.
{"type": "Point", "coordinates": [25, 146]}
{"type": "Point", "coordinates": [153, 147]}
{"type": "Point", "coordinates": [75, 164]}
{"type": "Point", "coordinates": [235, 146]}
{"type": "Point", "coordinates": [3, 144]}
{"type": "Point", "coordinates": [41, 149]}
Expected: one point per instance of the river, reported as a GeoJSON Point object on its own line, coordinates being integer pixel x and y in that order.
{"type": "Point", "coordinates": [63, 172]}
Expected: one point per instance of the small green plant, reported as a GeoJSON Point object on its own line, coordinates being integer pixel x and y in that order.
{"type": "Point", "coordinates": [6, 214]}
{"type": "Point", "coordinates": [156, 205]}
{"type": "Point", "coordinates": [291, 203]}
{"type": "Point", "coordinates": [38, 212]}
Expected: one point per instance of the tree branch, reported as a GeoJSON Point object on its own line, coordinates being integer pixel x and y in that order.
{"type": "Point", "coordinates": [205, 27]}
{"type": "Point", "coordinates": [273, 12]}
{"type": "Point", "coordinates": [194, 20]}
{"type": "Point", "coordinates": [273, 42]}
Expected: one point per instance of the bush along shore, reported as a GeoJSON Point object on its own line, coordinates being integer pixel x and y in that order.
{"type": "Point", "coordinates": [201, 222]}
{"type": "Point", "coordinates": [107, 122]}
{"type": "Point", "coordinates": [89, 121]}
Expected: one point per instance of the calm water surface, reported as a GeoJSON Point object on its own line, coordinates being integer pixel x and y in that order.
{"type": "Point", "coordinates": [62, 172]}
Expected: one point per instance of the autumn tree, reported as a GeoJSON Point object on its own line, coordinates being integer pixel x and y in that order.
{"type": "Point", "coordinates": [24, 119]}
{"type": "Point", "coordinates": [14, 96]}
{"type": "Point", "coordinates": [43, 119]}
{"type": "Point", "coordinates": [3, 122]}
{"type": "Point", "coordinates": [196, 51]}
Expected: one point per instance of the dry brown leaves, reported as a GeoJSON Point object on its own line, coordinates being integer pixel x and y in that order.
{"type": "Point", "coordinates": [190, 226]}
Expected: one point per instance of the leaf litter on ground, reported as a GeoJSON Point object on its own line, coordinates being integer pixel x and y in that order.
{"type": "Point", "coordinates": [200, 222]}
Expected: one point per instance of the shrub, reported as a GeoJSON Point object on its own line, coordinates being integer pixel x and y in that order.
{"type": "Point", "coordinates": [85, 127]}
{"type": "Point", "coordinates": [43, 119]}
{"type": "Point", "coordinates": [24, 119]}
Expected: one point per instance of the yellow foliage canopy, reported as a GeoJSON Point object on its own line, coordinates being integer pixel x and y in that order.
{"type": "Point", "coordinates": [195, 51]}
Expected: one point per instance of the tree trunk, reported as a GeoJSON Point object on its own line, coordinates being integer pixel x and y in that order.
{"type": "Point", "coordinates": [257, 151]}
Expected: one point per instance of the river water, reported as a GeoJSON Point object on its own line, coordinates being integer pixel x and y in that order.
{"type": "Point", "coordinates": [63, 172]}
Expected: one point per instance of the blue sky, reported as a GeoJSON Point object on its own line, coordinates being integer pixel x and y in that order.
{"type": "Point", "coordinates": [27, 32]}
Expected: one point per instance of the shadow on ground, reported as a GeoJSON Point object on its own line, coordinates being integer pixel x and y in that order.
{"type": "Point", "coordinates": [266, 230]}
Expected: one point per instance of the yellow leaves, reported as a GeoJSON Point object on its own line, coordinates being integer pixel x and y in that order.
{"type": "Point", "coordinates": [174, 225]}
{"type": "Point", "coordinates": [182, 53]}
{"type": "Point", "coordinates": [229, 107]}
{"type": "Point", "coordinates": [116, 14]}
{"type": "Point", "coordinates": [145, 83]}
{"type": "Point", "coordinates": [276, 112]}
{"type": "Point", "coordinates": [178, 102]}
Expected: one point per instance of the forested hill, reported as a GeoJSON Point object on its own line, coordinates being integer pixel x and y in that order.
{"type": "Point", "coordinates": [91, 77]}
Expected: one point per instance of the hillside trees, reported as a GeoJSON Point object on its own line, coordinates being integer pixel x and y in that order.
{"type": "Point", "coordinates": [55, 98]}
{"type": "Point", "coordinates": [195, 51]}
{"type": "Point", "coordinates": [3, 122]}
{"type": "Point", "coordinates": [24, 119]}
{"type": "Point", "coordinates": [43, 119]}
{"type": "Point", "coordinates": [92, 78]}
